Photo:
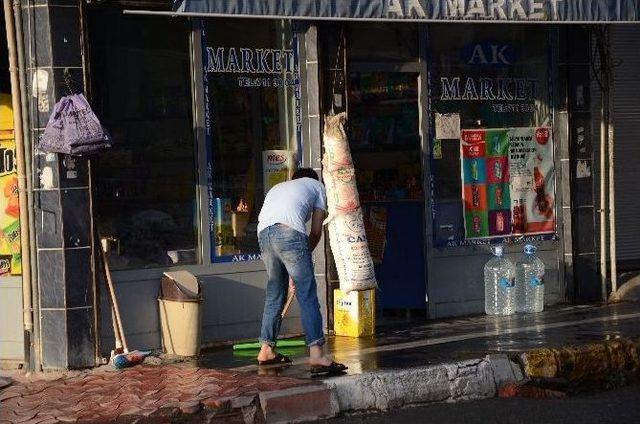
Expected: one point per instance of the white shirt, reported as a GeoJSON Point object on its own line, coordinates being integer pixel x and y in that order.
{"type": "Point", "coordinates": [291, 203]}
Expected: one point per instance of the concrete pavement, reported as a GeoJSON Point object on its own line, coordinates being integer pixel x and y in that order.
{"type": "Point", "coordinates": [445, 361]}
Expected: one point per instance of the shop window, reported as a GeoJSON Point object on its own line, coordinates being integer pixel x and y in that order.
{"type": "Point", "coordinates": [483, 77]}
{"type": "Point", "coordinates": [252, 120]}
{"type": "Point", "coordinates": [384, 135]}
{"type": "Point", "coordinates": [145, 195]}
{"type": "Point", "coordinates": [374, 42]}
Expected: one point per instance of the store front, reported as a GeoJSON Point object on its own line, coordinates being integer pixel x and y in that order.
{"type": "Point", "coordinates": [412, 92]}
{"type": "Point", "coordinates": [455, 137]}
{"type": "Point", "coordinates": [208, 118]}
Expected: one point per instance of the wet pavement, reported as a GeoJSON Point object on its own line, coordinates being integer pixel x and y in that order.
{"type": "Point", "coordinates": [433, 342]}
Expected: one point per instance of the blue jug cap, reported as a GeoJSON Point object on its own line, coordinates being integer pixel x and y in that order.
{"type": "Point", "coordinates": [530, 249]}
{"type": "Point", "coordinates": [498, 250]}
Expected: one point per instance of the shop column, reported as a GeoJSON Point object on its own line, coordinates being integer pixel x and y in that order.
{"type": "Point", "coordinates": [64, 293]}
{"type": "Point", "coordinates": [312, 138]}
{"type": "Point", "coordinates": [584, 261]}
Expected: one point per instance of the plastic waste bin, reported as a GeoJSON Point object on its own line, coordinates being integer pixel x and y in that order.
{"type": "Point", "coordinates": [180, 305]}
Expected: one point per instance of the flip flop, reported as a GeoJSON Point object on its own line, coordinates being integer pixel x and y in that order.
{"type": "Point", "coordinates": [333, 368]}
{"type": "Point", "coordinates": [279, 359]}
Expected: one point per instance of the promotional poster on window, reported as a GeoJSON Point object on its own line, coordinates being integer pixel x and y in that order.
{"type": "Point", "coordinates": [277, 167]}
{"type": "Point", "coordinates": [10, 256]}
{"type": "Point", "coordinates": [508, 182]}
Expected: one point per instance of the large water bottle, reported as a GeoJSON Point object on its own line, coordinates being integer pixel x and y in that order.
{"type": "Point", "coordinates": [529, 282]}
{"type": "Point", "coordinates": [499, 285]}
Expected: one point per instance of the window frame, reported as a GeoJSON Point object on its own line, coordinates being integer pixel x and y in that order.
{"type": "Point", "coordinates": [294, 122]}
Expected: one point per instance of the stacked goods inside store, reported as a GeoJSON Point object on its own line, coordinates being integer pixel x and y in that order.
{"type": "Point", "coordinates": [347, 236]}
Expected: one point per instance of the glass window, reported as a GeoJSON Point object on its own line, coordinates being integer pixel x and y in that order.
{"type": "Point", "coordinates": [384, 135]}
{"type": "Point", "coordinates": [491, 77]}
{"type": "Point", "coordinates": [382, 42]}
{"type": "Point", "coordinates": [145, 186]}
{"type": "Point", "coordinates": [252, 124]}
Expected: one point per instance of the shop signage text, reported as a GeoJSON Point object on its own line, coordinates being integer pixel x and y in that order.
{"type": "Point", "coordinates": [7, 161]}
{"type": "Point", "coordinates": [489, 54]}
{"type": "Point", "coordinates": [426, 10]}
{"type": "Point", "coordinates": [246, 257]}
{"type": "Point", "coordinates": [504, 240]}
{"type": "Point", "coordinates": [256, 64]}
{"type": "Point", "coordinates": [469, 88]}
{"type": "Point", "coordinates": [514, 10]}
{"type": "Point", "coordinates": [249, 60]}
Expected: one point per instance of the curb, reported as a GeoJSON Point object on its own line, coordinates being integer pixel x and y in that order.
{"type": "Point", "coordinates": [466, 380]}
{"type": "Point", "coordinates": [381, 390]}
{"type": "Point", "coordinates": [605, 364]}
{"type": "Point", "coordinates": [595, 365]}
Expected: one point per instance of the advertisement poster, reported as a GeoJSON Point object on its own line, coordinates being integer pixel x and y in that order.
{"type": "Point", "coordinates": [508, 182]}
{"type": "Point", "coordinates": [276, 167]}
{"type": "Point", "coordinates": [10, 257]}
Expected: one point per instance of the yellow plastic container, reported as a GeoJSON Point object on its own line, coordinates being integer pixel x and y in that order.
{"type": "Point", "coordinates": [354, 313]}
{"type": "Point", "coordinates": [181, 326]}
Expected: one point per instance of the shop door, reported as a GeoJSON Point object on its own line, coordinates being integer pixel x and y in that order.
{"type": "Point", "coordinates": [384, 134]}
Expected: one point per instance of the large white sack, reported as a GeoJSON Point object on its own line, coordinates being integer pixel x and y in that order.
{"type": "Point", "coordinates": [348, 241]}
{"type": "Point", "coordinates": [342, 191]}
{"type": "Point", "coordinates": [337, 154]}
{"type": "Point", "coordinates": [347, 236]}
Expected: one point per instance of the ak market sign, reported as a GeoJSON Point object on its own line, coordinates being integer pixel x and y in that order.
{"type": "Point", "coordinates": [257, 67]}
{"type": "Point", "coordinates": [579, 11]}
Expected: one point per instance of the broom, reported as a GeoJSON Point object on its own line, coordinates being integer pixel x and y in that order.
{"type": "Point", "coordinates": [280, 343]}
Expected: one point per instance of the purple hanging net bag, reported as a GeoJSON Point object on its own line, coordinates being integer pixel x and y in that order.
{"type": "Point", "coordinates": [74, 129]}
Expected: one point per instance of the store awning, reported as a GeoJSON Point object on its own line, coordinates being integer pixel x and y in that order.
{"type": "Point", "coordinates": [530, 11]}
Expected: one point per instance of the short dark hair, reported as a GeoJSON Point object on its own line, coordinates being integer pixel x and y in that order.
{"type": "Point", "coordinates": [305, 173]}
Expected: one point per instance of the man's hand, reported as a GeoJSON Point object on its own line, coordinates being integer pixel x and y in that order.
{"type": "Point", "coordinates": [317, 218]}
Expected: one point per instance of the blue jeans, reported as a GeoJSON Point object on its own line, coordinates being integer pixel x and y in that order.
{"type": "Point", "coordinates": [285, 253]}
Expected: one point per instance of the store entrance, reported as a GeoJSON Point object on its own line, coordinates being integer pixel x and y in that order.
{"type": "Point", "coordinates": [384, 134]}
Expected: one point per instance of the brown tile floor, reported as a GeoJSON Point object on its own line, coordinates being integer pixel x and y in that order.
{"type": "Point", "coordinates": [136, 392]}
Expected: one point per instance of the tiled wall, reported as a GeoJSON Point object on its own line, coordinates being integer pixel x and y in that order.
{"type": "Point", "coordinates": [52, 32]}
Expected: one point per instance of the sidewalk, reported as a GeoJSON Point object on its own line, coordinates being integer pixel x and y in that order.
{"type": "Point", "coordinates": [449, 360]}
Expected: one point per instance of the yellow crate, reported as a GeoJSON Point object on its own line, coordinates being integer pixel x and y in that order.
{"type": "Point", "coordinates": [354, 313]}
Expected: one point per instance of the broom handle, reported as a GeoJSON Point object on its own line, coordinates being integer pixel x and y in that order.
{"type": "Point", "coordinates": [116, 330]}
{"type": "Point", "coordinates": [290, 295]}
{"type": "Point", "coordinates": [114, 301]}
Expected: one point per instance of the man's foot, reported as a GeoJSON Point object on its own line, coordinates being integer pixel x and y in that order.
{"type": "Point", "coordinates": [333, 368]}
{"type": "Point", "coordinates": [279, 359]}
{"type": "Point", "coordinates": [322, 361]}
{"type": "Point", "coordinates": [266, 353]}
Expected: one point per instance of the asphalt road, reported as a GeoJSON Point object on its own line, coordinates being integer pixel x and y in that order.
{"type": "Point", "coordinates": [618, 406]}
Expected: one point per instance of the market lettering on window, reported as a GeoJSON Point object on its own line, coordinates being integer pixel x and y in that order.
{"type": "Point", "coordinates": [470, 88]}
{"type": "Point", "coordinates": [508, 95]}
{"type": "Point", "coordinates": [245, 258]}
{"type": "Point", "coordinates": [254, 61]}
{"type": "Point", "coordinates": [495, 55]}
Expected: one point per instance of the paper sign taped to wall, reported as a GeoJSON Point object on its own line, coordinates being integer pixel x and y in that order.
{"type": "Point", "coordinates": [447, 126]}
{"type": "Point", "coordinates": [277, 166]}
